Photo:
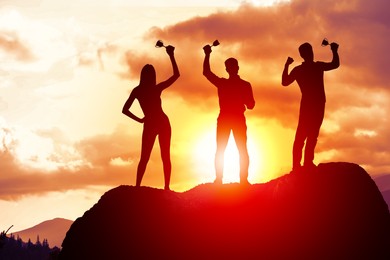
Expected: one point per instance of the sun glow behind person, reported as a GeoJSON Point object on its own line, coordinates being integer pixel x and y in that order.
{"type": "Point", "coordinates": [204, 156]}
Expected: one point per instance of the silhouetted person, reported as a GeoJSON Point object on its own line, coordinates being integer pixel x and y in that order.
{"type": "Point", "coordinates": [310, 78]}
{"type": "Point", "coordinates": [235, 95]}
{"type": "Point", "coordinates": [156, 122]}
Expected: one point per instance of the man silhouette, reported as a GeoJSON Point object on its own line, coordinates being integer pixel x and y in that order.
{"type": "Point", "coordinates": [310, 78]}
{"type": "Point", "coordinates": [235, 95]}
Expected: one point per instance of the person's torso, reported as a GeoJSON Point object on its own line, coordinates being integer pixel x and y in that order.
{"type": "Point", "coordinates": [232, 95]}
{"type": "Point", "coordinates": [149, 99]}
{"type": "Point", "coordinates": [310, 78]}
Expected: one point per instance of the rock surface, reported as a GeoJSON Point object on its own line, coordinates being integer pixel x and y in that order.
{"type": "Point", "coordinates": [333, 212]}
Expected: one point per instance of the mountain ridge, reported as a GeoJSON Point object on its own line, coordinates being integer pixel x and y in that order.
{"type": "Point", "coordinates": [53, 230]}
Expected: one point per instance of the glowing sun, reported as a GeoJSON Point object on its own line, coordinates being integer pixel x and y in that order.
{"type": "Point", "coordinates": [204, 155]}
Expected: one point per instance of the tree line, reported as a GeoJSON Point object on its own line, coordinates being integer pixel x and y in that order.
{"type": "Point", "coordinates": [12, 247]}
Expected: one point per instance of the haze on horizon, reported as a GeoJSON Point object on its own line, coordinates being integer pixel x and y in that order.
{"type": "Point", "coordinates": [67, 68]}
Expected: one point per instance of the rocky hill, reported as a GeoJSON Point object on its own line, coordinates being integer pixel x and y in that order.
{"type": "Point", "coordinates": [333, 212]}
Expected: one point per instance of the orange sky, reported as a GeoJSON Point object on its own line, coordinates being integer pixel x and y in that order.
{"type": "Point", "coordinates": [67, 69]}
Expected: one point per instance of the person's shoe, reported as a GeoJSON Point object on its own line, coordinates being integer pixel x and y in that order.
{"type": "Point", "coordinates": [310, 166]}
{"type": "Point", "coordinates": [218, 181]}
{"type": "Point", "coordinates": [297, 169]}
{"type": "Point", "coordinates": [244, 182]}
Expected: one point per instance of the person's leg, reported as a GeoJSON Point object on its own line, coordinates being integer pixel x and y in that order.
{"type": "Point", "coordinates": [223, 132]}
{"type": "Point", "coordinates": [316, 120]}
{"type": "Point", "coordinates": [300, 136]}
{"type": "Point", "coordinates": [148, 138]}
{"type": "Point", "coordinates": [239, 132]}
{"type": "Point", "coordinates": [165, 145]}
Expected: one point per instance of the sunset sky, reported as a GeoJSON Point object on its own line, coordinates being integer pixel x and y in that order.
{"type": "Point", "coordinates": [67, 67]}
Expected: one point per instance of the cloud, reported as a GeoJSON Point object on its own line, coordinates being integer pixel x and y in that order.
{"type": "Point", "coordinates": [118, 161]}
{"type": "Point", "coordinates": [356, 123]}
{"type": "Point", "coordinates": [262, 38]}
{"type": "Point", "coordinates": [45, 161]}
{"type": "Point", "coordinates": [362, 134]}
{"type": "Point", "coordinates": [11, 44]}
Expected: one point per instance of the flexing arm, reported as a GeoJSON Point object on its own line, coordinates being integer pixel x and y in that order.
{"type": "Point", "coordinates": [176, 74]}
{"type": "Point", "coordinates": [335, 63]}
{"type": "Point", "coordinates": [126, 108]}
{"type": "Point", "coordinates": [287, 79]}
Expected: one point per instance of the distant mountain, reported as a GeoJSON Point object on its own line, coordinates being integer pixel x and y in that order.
{"type": "Point", "coordinates": [335, 211]}
{"type": "Point", "coordinates": [386, 197]}
{"type": "Point", "coordinates": [53, 230]}
{"type": "Point", "coordinates": [383, 183]}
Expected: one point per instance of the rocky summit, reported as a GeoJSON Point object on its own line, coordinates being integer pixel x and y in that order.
{"type": "Point", "coordinates": [334, 211]}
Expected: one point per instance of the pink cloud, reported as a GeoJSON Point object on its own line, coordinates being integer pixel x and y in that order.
{"type": "Point", "coordinates": [12, 45]}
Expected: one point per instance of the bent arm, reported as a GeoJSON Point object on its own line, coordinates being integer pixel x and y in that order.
{"type": "Point", "coordinates": [126, 108]}
{"type": "Point", "coordinates": [250, 102]}
{"type": "Point", "coordinates": [206, 66]}
{"type": "Point", "coordinates": [176, 74]}
{"type": "Point", "coordinates": [287, 78]}
{"type": "Point", "coordinates": [335, 63]}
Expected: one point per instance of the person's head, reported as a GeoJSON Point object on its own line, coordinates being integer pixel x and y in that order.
{"type": "Point", "coordinates": [232, 67]}
{"type": "Point", "coordinates": [148, 76]}
{"type": "Point", "coordinates": [306, 52]}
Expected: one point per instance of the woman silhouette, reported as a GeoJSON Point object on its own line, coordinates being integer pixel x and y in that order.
{"type": "Point", "coordinates": [155, 120]}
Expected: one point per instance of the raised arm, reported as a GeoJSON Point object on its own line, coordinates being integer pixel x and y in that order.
{"type": "Point", "coordinates": [287, 79]}
{"type": "Point", "coordinates": [206, 66]}
{"type": "Point", "coordinates": [176, 74]}
{"type": "Point", "coordinates": [335, 63]}
{"type": "Point", "coordinates": [126, 108]}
